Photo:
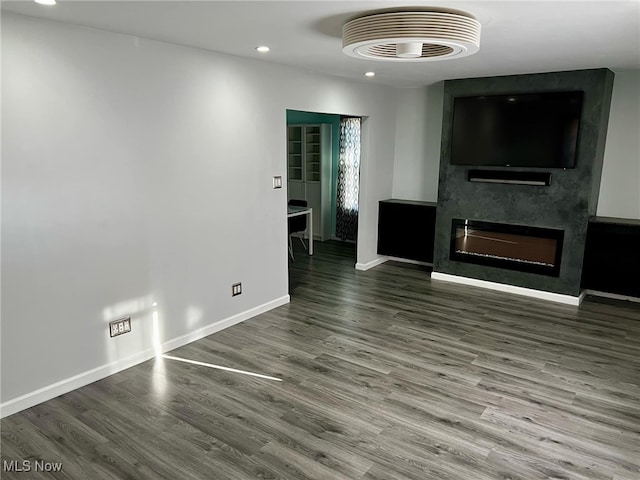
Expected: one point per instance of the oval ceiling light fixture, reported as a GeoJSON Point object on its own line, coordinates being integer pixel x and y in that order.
{"type": "Point", "coordinates": [263, 49]}
{"type": "Point", "coordinates": [370, 74]}
{"type": "Point", "coordinates": [411, 35]}
{"type": "Point", "coordinates": [46, 2]}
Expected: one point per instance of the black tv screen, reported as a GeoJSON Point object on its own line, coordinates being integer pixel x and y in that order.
{"type": "Point", "coordinates": [519, 130]}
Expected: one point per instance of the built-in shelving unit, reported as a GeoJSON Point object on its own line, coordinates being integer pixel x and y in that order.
{"type": "Point", "coordinates": [309, 172]}
{"type": "Point", "coordinates": [294, 153]}
{"type": "Point", "coordinates": [313, 153]}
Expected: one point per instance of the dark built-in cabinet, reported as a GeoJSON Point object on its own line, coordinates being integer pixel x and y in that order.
{"type": "Point", "coordinates": [612, 256]}
{"type": "Point", "coordinates": [406, 229]}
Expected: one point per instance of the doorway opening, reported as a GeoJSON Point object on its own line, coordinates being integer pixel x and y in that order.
{"type": "Point", "coordinates": [323, 176]}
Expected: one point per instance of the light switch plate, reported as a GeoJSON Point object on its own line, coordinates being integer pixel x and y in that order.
{"type": "Point", "coordinates": [277, 182]}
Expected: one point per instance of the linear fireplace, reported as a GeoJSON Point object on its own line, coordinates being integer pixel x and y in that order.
{"type": "Point", "coordinates": [514, 247]}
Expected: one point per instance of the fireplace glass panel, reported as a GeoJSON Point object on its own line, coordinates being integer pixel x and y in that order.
{"type": "Point", "coordinates": [515, 247]}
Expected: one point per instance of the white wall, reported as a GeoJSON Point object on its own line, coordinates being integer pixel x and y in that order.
{"type": "Point", "coordinates": [135, 172]}
{"type": "Point", "coordinates": [418, 138]}
{"type": "Point", "coordinates": [620, 183]}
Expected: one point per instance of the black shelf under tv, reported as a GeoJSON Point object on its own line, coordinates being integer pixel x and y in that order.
{"type": "Point", "coordinates": [513, 177]}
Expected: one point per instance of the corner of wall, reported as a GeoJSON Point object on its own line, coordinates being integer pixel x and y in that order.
{"type": "Point", "coordinates": [607, 89]}
{"type": "Point", "coordinates": [417, 148]}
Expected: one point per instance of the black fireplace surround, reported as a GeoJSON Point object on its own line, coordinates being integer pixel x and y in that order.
{"type": "Point", "coordinates": [562, 205]}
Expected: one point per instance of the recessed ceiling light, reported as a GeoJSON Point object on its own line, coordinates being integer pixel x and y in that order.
{"type": "Point", "coordinates": [46, 2]}
{"type": "Point", "coordinates": [263, 49]}
{"type": "Point", "coordinates": [370, 74]}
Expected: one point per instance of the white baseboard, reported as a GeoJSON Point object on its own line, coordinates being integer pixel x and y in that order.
{"type": "Point", "coordinates": [68, 384]}
{"type": "Point", "coordinates": [371, 264]}
{"type": "Point", "coordinates": [614, 296]}
{"type": "Point", "coordinates": [222, 324]}
{"type": "Point", "coordinates": [412, 262]}
{"type": "Point", "coordinates": [503, 287]}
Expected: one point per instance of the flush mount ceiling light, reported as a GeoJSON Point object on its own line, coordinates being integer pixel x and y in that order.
{"type": "Point", "coordinates": [411, 35]}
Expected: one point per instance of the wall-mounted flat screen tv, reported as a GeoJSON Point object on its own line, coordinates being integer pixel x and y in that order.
{"type": "Point", "coordinates": [518, 130]}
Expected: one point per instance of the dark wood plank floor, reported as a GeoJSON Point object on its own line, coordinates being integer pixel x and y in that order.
{"type": "Point", "coordinates": [385, 376]}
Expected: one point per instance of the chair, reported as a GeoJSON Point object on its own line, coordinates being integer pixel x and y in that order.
{"type": "Point", "coordinates": [297, 224]}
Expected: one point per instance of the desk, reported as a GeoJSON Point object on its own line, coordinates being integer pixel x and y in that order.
{"type": "Point", "coordinates": [296, 211]}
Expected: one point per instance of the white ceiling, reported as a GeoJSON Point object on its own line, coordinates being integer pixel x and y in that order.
{"type": "Point", "coordinates": [517, 36]}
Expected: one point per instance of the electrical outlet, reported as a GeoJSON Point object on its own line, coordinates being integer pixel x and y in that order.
{"type": "Point", "coordinates": [118, 327]}
{"type": "Point", "coordinates": [236, 289]}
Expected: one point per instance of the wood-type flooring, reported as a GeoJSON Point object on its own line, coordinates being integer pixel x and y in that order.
{"type": "Point", "coordinates": [385, 375]}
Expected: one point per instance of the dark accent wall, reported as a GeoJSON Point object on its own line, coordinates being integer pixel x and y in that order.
{"type": "Point", "coordinates": [566, 203]}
